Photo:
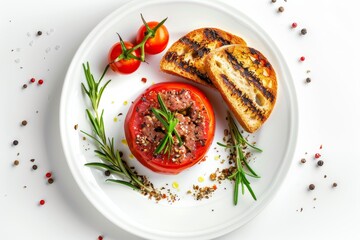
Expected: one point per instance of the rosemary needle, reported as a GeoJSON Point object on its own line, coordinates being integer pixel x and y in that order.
{"type": "Point", "coordinates": [169, 121]}
{"type": "Point", "coordinates": [105, 146]}
{"type": "Point", "coordinates": [239, 176]}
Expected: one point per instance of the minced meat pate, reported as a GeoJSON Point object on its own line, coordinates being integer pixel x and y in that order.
{"type": "Point", "coordinates": [190, 127]}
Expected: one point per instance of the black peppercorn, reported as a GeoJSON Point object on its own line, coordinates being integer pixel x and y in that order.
{"type": "Point", "coordinates": [107, 173]}
{"type": "Point", "coordinates": [311, 187]}
{"type": "Point", "coordinates": [24, 123]}
{"type": "Point", "coordinates": [281, 9]}
{"type": "Point", "coordinates": [50, 180]}
{"type": "Point", "coordinates": [334, 184]}
{"type": "Point", "coordinates": [303, 160]}
{"type": "Point", "coordinates": [273, 1]}
{"type": "Point", "coordinates": [34, 167]}
{"type": "Point", "coordinates": [39, 33]}
{"type": "Point", "coordinates": [320, 163]}
{"type": "Point", "coordinates": [308, 80]}
{"type": "Point", "coordinates": [303, 31]}
{"type": "Point", "coordinates": [25, 86]}
{"type": "Point", "coordinates": [15, 142]}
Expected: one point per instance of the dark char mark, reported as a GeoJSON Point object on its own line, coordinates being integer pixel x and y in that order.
{"type": "Point", "coordinates": [185, 65]}
{"type": "Point", "coordinates": [242, 96]}
{"type": "Point", "coordinates": [213, 35]}
{"type": "Point", "coordinates": [199, 50]}
{"type": "Point", "coordinates": [249, 76]}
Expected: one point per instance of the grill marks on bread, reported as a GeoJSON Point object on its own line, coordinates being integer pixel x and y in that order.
{"type": "Point", "coordinates": [186, 57]}
{"type": "Point", "coordinates": [246, 81]}
{"type": "Point", "coordinates": [250, 76]}
{"type": "Point", "coordinates": [231, 87]}
{"type": "Point", "coordinates": [213, 35]}
{"type": "Point", "coordinates": [185, 66]}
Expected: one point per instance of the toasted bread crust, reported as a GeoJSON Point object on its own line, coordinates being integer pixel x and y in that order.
{"type": "Point", "coordinates": [246, 81]}
{"type": "Point", "coordinates": [186, 57]}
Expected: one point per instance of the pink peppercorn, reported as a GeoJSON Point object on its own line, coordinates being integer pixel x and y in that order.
{"type": "Point", "coordinates": [32, 80]}
{"type": "Point", "coordinates": [40, 82]}
{"type": "Point", "coordinates": [302, 58]}
{"type": "Point", "coordinates": [294, 25]}
{"type": "Point", "coordinates": [317, 155]}
{"type": "Point", "coordinates": [48, 174]}
{"type": "Point", "coordinates": [42, 202]}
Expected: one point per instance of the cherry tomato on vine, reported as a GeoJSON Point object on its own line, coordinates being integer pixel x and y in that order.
{"type": "Point", "coordinates": [156, 44]}
{"type": "Point", "coordinates": [126, 65]}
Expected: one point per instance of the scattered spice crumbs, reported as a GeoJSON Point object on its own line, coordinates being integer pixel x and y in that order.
{"type": "Point", "coordinates": [203, 192]}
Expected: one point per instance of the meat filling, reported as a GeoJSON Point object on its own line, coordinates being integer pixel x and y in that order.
{"type": "Point", "coordinates": [191, 125]}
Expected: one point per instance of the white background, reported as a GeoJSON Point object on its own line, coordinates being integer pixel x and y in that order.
{"type": "Point", "coordinates": [329, 115]}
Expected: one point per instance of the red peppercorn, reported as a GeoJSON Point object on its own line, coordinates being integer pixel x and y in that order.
{"type": "Point", "coordinates": [32, 80]}
{"type": "Point", "coordinates": [42, 202]}
{"type": "Point", "coordinates": [302, 58]}
{"type": "Point", "coordinates": [40, 81]}
{"type": "Point", "coordinates": [294, 25]}
{"type": "Point", "coordinates": [317, 155]}
{"type": "Point", "coordinates": [48, 174]}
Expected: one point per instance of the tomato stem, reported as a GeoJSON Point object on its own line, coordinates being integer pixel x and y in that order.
{"type": "Point", "coordinates": [150, 33]}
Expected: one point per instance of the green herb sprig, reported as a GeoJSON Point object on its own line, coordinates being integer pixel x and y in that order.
{"type": "Point", "coordinates": [240, 160]}
{"type": "Point", "coordinates": [169, 121]}
{"type": "Point", "coordinates": [106, 149]}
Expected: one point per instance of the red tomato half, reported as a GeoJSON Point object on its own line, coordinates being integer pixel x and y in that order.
{"type": "Point", "coordinates": [196, 127]}
{"type": "Point", "coordinates": [157, 43]}
{"type": "Point", "coordinates": [125, 65]}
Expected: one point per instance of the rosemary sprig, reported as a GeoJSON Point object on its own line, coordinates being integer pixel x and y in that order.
{"type": "Point", "coordinates": [240, 160]}
{"type": "Point", "coordinates": [169, 121]}
{"type": "Point", "coordinates": [106, 148]}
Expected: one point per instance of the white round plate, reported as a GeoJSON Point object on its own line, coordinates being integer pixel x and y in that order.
{"type": "Point", "coordinates": [185, 218]}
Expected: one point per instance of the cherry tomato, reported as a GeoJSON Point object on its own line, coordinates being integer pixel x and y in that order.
{"type": "Point", "coordinates": [156, 44]}
{"type": "Point", "coordinates": [196, 127]}
{"type": "Point", "coordinates": [125, 65]}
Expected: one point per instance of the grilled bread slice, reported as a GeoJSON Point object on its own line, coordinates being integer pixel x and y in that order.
{"type": "Point", "coordinates": [186, 57]}
{"type": "Point", "coordinates": [246, 81]}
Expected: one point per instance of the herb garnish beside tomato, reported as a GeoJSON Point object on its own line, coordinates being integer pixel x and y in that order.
{"type": "Point", "coordinates": [192, 123]}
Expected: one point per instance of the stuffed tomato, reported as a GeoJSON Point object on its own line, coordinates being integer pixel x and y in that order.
{"type": "Point", "coordinates": [183, 134]}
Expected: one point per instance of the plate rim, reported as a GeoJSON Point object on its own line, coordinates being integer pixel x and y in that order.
{"type": "Point", "coordinates": [289, 153]}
